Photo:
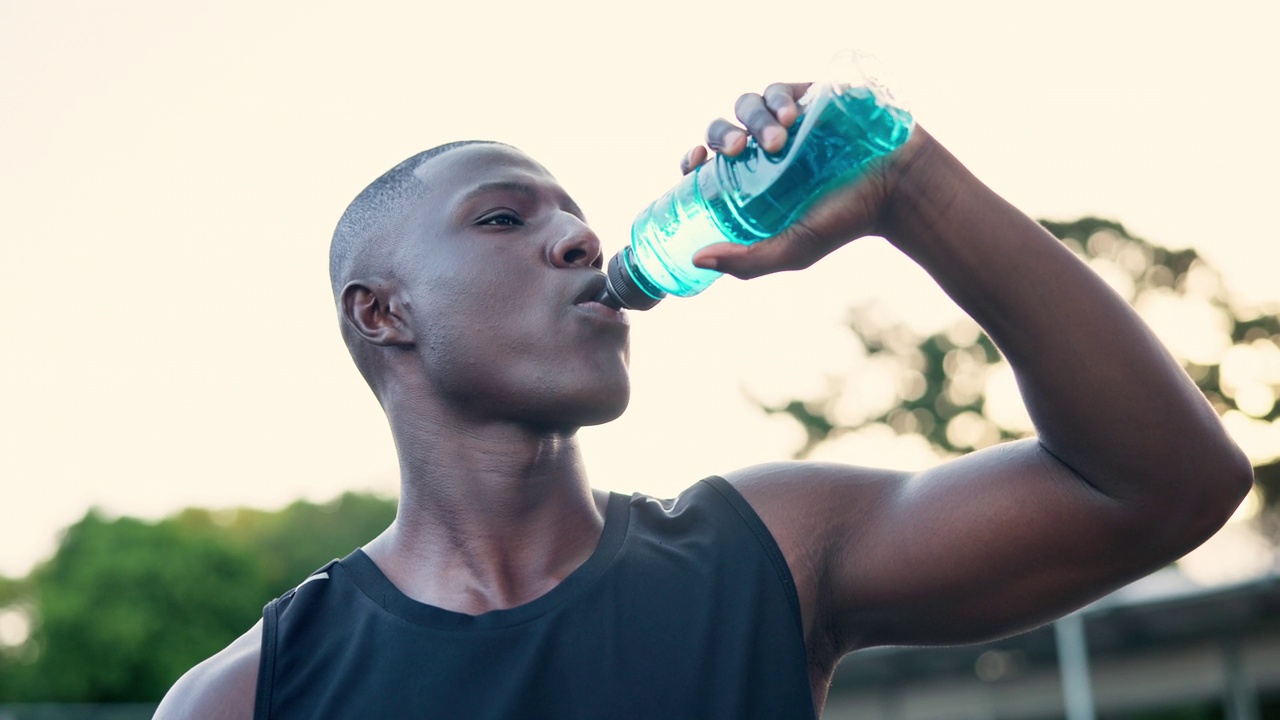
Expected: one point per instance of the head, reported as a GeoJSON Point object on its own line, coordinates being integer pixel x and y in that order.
{"type": "Point", "coordinates": [462, 278]}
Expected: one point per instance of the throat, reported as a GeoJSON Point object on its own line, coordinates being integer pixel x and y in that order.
{"type": "Point", "coordinates": [505, 560]}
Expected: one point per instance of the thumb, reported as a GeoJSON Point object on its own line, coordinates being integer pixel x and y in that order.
{"type": "Point", "coordinates": [787, 251]}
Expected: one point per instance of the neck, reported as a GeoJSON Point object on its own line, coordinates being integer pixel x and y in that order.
{"type": "Point", "coordinates": [491, 515]}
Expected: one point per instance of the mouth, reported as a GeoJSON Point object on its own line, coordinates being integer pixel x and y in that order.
{"type": "Point", "coordinates": [591, 289]}
{"type": "Point", "coordinates": [586, 301]}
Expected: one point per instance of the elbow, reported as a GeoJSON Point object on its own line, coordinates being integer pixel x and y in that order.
{"type": "Point", "coordinates": [1235, 480]}
{"type": "Point", "coordinates": [1238, 479]}
{"type": "Point", "coordinates": [1221, 490]}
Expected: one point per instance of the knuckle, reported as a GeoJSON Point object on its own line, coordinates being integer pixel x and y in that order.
{"type": "Point", "coordinates": [722, 126]}
{"type": "Point", "coordinates": [760, 116]}
{"type": "Point", "coordinates": [717, 131]}
{"type": "Point", "coordinates": [778, 92]}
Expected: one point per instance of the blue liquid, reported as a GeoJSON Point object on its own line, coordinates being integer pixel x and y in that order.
{"type": "Point", "coordinates": [756, 195]}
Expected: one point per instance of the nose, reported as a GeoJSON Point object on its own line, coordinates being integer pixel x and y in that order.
{"type": "Point", "coordinates": [577, 246]}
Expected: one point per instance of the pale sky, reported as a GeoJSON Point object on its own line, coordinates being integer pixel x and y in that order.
{"type": "Point", "coordinates": [170, 174]}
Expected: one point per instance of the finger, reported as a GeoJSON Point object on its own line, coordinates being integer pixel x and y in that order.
{"type": "Point", "coordinates": [693, 159]}
{"type": "Point", "coordinates": [741, 261]}
{"type": "Point", "coordinates": [726, 138]}
{"type": "Point", "coordinates": [762, 258]}
{"type": "Point", "coordinates": [781, 99]}
{"type": "Point", "coordinates": [761, 123]}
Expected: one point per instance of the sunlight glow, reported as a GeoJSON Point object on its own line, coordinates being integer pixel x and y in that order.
{"type": "Point", "coordinates": [1004, 403]}
{"type": "Point", "coordinates": [877, 445]}
{"type": "Point", "coordinates": [1237, 553]}
{"type": "Point", "coordinates": [1190, 327]}
{"type": "Point", "coordinates": [146, 383]}
{"type": "Point", "coordinates": [15, 626]}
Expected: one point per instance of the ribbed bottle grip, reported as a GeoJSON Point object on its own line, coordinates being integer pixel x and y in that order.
{"type": "Point", "coordinates": [623, 288]}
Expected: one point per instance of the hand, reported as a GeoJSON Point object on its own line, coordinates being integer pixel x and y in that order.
{"type": "Point", "coordinates": [858, 209]}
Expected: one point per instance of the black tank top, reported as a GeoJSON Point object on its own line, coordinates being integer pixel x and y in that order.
{"type": "Point", "coordinates": [685, 609]}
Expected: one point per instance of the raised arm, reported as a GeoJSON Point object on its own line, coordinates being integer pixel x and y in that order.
{"type": "Point", "coordinates": [1131, 467]}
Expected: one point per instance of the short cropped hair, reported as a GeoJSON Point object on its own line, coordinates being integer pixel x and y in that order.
{"type": "Point", "coordinates": [376, 211]}
{"type": "Point", "coordinates": [372, 220]}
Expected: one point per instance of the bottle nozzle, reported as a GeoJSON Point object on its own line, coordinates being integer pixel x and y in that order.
{"type": "Point", "coordinates": [621, 289]}
{"type": "Point", "coordinates": [607, 298]}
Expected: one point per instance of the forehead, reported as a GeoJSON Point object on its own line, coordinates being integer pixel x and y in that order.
{"type": "Point", "coordinates": [459, 171]}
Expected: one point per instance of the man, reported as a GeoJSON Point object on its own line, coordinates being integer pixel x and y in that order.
{"type": "Point", "coordinates": [507, 587]}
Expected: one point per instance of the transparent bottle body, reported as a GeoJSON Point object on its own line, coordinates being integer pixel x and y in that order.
{"type": "Point", "coordinates": [756, 195]}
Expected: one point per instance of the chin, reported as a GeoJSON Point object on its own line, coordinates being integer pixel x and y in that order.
{"type": "Point", "coordinates": [606, 416]}
{"type": "Point", "coordinates": [601, 407]}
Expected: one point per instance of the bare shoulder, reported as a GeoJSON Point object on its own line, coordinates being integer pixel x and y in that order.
{"type": "Point", "coordinates": [796, 500]}
{"type": "Point", "coordinates": [811, 507]}
{"type": "Point", "coordinates": [990, 543]}
{"type": "Point", "coordinates": [220, 688]}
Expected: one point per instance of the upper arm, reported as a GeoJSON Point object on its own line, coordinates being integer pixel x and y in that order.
{"type": "Point", "coordinates": [223, 687]}
{"type": "Point", "coordinates": [988, 544]}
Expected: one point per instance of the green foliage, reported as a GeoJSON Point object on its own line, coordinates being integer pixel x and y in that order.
{"type": "Point", "coordinates": [124, 607]}
{"type": "Point", "coordinates": [103, 600]}
{"type": "Point", "coordinates": [291, 543]}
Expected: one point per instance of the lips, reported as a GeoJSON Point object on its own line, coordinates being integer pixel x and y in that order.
{"type": "Point", "coordinates": [590, 290]}
{"type": "Point", "coordinates": [586, 302]}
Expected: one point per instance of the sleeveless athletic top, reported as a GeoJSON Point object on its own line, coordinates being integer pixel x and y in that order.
{"type": "Point", "coordinates": [686, 609]}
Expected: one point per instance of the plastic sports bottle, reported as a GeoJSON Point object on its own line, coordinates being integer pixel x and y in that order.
{"type": "Point", "coordinates": [843, 125]}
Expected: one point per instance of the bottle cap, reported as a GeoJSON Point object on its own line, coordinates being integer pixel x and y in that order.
{"type": "Point", "coordinates": [620, 289]}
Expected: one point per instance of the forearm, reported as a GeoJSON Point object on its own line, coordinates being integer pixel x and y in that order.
{"type": "Point", "coordinates": [1106, 397]}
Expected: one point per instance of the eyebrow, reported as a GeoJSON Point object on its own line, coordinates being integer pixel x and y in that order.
{"type": "Point", "coordinates": [522, 188]}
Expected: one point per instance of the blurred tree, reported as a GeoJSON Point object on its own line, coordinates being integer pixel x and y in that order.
{"type": "Point", "coordinates": [953, 389]}
{"type": "Point", "coordinates": [123, 601]}
{"type": "Point", "coordinates": [124, 606]}
{"type": "Point", "coordinates": [289, 544]}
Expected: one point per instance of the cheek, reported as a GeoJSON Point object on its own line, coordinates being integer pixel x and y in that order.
{"type": "Point", "coordinates": [486, 286]}
{"type": "Point", "coordinates": [481, 342]}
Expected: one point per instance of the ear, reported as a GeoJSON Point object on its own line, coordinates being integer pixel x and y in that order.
{"type": "Point", "coordinates": [375, 314]}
